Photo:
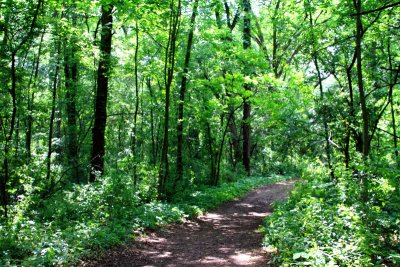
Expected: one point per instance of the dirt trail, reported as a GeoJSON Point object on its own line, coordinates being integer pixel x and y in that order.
{"type": "Point", "coordinates": [226, 236]}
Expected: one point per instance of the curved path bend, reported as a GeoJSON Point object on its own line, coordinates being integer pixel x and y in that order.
{"type": "Point", "coordinates": [226, 236]}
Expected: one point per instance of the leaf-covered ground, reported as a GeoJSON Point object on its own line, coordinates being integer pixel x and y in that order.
{"type": "Point", "coordinates": [226, 236]}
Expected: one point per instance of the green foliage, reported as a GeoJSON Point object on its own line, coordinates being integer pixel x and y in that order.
{"type": "Point", "coordinates": [88, 218]}
{"type": "Point", "coordinates": [327, 224]}
{"type": "Point", "coordinates": [210, 197]}
{"type": "Point", "coordinates": [297, 111]}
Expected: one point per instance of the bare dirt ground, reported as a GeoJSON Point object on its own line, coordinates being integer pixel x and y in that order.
{"type": "Point", "coordinates": [226, 236]}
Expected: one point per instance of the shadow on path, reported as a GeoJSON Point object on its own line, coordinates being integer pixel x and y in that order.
{"type": "Point", "coordinates": [226, 236]}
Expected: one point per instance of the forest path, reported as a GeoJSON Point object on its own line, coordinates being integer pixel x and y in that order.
{"type": "Point", "coordinates": [226, 236]}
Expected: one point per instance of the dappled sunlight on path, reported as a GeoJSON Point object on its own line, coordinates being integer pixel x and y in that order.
{"type": "Point", "coordinates": [226, 236]}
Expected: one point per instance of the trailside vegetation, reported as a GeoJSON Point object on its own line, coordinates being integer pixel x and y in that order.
{"type": "Point", "coordinates": [112, 112]}
{"type": "Point", "coordinates": [87, 219]}
{"type": "Point", "coordinates": [324, 223]}
{"type": "Point", "coordinates": [345, 211]}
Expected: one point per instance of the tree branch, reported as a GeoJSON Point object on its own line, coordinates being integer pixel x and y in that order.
{"type": "Point", "coordinates": [375, 10]}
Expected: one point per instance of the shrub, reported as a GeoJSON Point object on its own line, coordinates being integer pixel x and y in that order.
{"type": "Point", "coordinates": [326, 224]}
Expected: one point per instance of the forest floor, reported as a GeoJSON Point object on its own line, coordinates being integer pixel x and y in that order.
{"type": "Point", "coordinates": [226, 236]}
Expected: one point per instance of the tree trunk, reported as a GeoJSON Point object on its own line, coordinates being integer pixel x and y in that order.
{"type": "Point", "coordinates": [321, 92]}
{"type": "Point", "coordinates": [326, 131]}
{"type": "Point", "coordinates": [179, 127]}
{"type": "Point", "coordinates": [235, 137]}
{"type": "Point", "coordinates": [221, 148]}
{"type": "Point", "coordinates": [246, 106]}
{"type": "Point", "coordinates": [136, 111]}
{"type": "Point", "coordinates": [393, 82]}
{"type": "Point", "coordinates": [13, 48]}
{"type": "Point", "coordinates": [31, 101]}
{"type": "Point", "coordinates": [275, 44]}
{"type": "Point", "coordinates": [351, 121]}
{"type": "Point", "coordinates": [363, 102]}
{"type": "Point", "coordinates": [236, 155]}
{"type": "Point", "coordinates": [152, 126]}
{"type": "Point", "coordinates": [213, 173]}
{"type": "Point", "coordinates": [98, 131]}
{"type": "Point", "coordinates": [396, 151]}
{"type": "Point", "coordinates": [71, 83]}
{"type": "Point", "coordinates": [52, 116]}
{"type": "Point", "coordinates": [8, 138]}
{"type": "Point", "coordinates": [169, 69]}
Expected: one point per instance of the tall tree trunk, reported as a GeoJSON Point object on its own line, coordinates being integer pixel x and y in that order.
{"type": "Point", "coordinates": [275, 44]}
{"type": "Point", "coordinates": [328, 148]}
{"type": "Point", "coordinates": [52, 116]}
{"type": "Point", "coordinates": [136, 111]}
{"type": "Point", "coordinates": [221, 147]}
{"type": "Point", "coordinates": [31, 101]}
{"type": "Point", "coordinates": [351, 121]}
{"type": "Point", "coordinates": [352, 124]}
{"type": "Point", "coordinates": [212, 154]}
{"type": "Point", "coordinates": [363, 101]}
{"type": "Point", "coordinates": [235, 135]}
{"type": "Point", "coordinates": [71, 83]}
{"type": "Point", "coordinates": [100, 121]}
{"type": "Point", "coordinates": [393, 82]}
{"type": "Point", "coordinates": [246, 106]}
{"type": "Point", "coordinates": [13, 48]}
{"type": "Point", "coordinates": [326, 131]}
{"type": "Point", "coordinates": [396, 151]}
{"type": "Point", "coordinates": [169, 69]}
{"type": "Point", "coordinates": [179, 127]}
{"type": "Point", "coordinates": [9, 136]}
{"type": "Point", "coordinates": [321, 92]}
{"type": "Point", "coordinates": [152, 122]}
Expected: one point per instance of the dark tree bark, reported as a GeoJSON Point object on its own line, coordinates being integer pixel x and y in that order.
{"type": "Point", "coordinates": [246, 106]}
{"type": "Point", "coordinates": [169, 69]}
{"type": "Point", "coordinates": [393, 82]}
{"type": "Point", "coordinates": [235, 139]}
{"type": "Point", "coordinates": [231, 23]}
{"type": "Point", "coordinates": [236, 149]}
{"type": "Point", "coordinates": [152, 124]}
{"type": "Point", "coordinates": [363, 101]}
{"type": "Point", "coordinates": [31, 101]}
{"type": "Point", "coordinates": [182, 92]}
{"type": "Point", "coordinates": [376, 10]}
{"type": "Point", "coordinates": [136, 111]}
{"type": "Point", "coordinates": [14, 49]}
{"type": "Point", "coordinates": [71, 84]}
{"type": "Point", "coordinates": [351, 128]}
{"type": "Point", "coordinates": [395, 146]}
{"type": "Point", "coordinates": [328, 148]}
{"type": "Point", "coordinates": [9, 135]}
{"type": "Point", "coordinates": [275, 61]}
{"type": "Point", "coordinates": [351, 121]}
{"type": "Point", "coordinates": [212, 153]}
{"type": "Point", "coordinates": [216, 150]}
{"type": "Point", "coordinates": [221, 147]}
{"type": "Point", "coordinates": [100, 121]}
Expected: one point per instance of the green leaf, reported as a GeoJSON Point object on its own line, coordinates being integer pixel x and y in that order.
{"type": "Point", "coordinates": [299, 255]}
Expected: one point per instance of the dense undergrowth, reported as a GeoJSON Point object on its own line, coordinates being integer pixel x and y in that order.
{"type": "Point", "coordinates": [89, 218]}
{"type": "Point", "coordinates": [330, 223]}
